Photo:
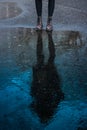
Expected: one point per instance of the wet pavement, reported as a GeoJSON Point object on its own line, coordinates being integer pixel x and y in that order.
{"type": "Point", "coordinates": [43, 75]}
{"type": "Point", "coordinates": [43, 79]}
{"type": "Point", "coordinates": [9, 10]}
{"type": "Point", "coordinates": [68, 14]}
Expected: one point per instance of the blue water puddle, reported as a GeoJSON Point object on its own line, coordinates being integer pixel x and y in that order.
{"type": "Point", "coordinates": [69, 116]}
{"type": "Point", "coordinates": [43, 80]}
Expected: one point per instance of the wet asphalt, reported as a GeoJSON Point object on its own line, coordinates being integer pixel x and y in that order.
{"type": "Point", "coordinates": [68, 14]}
{"type": "Point", "coordinates": [43, 75]}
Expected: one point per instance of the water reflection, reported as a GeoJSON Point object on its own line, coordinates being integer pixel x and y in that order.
{"type": "Point", "coordinates": [74, 38]}
{"type": "Point", "coordinates": [45, 90]}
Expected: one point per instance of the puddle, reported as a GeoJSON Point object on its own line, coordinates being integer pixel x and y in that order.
{"type": "Point", "coordinates": [43, 79]}
{"type": "Point", "coordinates": [9, 10]}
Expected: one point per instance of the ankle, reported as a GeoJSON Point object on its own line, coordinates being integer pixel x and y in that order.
{"type": "Point", "coordinates": [49, 20]}
{"type": "Point", "coordinates": [39, 19]}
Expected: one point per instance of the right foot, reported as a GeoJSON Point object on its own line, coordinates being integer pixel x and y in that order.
{"type": "Point", "coordinates": [39, 24]}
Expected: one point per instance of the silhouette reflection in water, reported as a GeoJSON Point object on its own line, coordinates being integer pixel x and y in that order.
{"type": "Point", "coordinates": [45, 89]}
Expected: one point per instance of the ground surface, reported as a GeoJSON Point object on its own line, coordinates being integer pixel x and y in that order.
{"type": "Point", "coordinates": [43, 76]}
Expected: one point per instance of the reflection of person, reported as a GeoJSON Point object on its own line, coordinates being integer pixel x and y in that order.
{"type": "Point", "coordinates": [45, 90]}
{"type": "Point", "coordinates": [51, 5]}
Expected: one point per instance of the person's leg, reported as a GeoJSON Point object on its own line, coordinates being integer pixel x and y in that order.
{"type": "Point", "coordinates": [51, 6]}
{"type": "Point", "coordinates": [38, 4]}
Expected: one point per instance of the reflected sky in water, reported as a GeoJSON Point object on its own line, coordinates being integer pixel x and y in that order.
{"type": "Point", "coordinates": [43, 79]}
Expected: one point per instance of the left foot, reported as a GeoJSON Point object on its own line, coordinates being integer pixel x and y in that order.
{"type": "Point", "coordinates": [49, 26]}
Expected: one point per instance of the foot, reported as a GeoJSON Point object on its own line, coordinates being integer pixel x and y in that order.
{"type": "Point", "coordinates": [49, 26]}
{"type": "Point", "coordinates": [39, 24]}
